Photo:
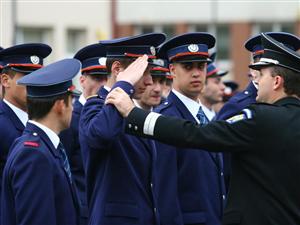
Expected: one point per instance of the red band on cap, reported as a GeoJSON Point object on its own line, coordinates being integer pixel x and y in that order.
{"type": "Point", "coordinates": [139, 55]}
{"type": "Point", "coordinates": [26, 65]}
{"type": "Point", "coordinates": [259, 52]}
{"type": "Point", "coordinates": [72, 88]}
{"type": "Point", "coordinates": [188, 53]}
{"type": "Point", "coordinates": [160, 69]}
{"type": "Point", "coordinates": [31, 144]}
{"type": "Point", "coordinates": [92, 68]}
{"type": "Point", "coordinates": [169, 77]}
{"type": "Point", "coordinates": [212, 72]}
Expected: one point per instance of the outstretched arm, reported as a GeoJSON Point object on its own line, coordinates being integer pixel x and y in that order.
{"type": "Point", "coordinates": [232, 135]}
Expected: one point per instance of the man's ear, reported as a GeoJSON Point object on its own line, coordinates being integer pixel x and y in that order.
{"type": "Point", "coordinates": [116, 68]}
{"type": "Point", "coordinates": [5, 80]}
{"type": "Point", "coordinates": [172, 69]}
{"type": "Point", "coordinates": [278, 82]}
{"type": "Point", "coordinates": [59, 106]}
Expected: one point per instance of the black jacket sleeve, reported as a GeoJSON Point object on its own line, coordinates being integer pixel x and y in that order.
{"type": "Point", "coordinates": [233, 136]}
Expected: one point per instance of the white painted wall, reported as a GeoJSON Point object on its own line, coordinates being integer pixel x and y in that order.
{"type": "Point", "coordinates": [203, 11]}
{"type": "Point", "coordinates": [58, 15]}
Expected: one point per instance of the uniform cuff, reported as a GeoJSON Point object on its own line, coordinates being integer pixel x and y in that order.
{"type": "Point", "coordinates": [127, 87]}
{"type": "Point", "coordinates": [141, 122]}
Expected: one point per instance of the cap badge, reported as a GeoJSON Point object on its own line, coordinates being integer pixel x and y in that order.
{"type": "Point", "coordinates": [34, 59]}
{"type": "Point", "coordinates": [159, 62]}
{"type": "Point", "coordinates": [193, 48]}
{"type": "Point", "coordinates": [102, 61]}
{"type": "Point", "coordinates": [152, 50]}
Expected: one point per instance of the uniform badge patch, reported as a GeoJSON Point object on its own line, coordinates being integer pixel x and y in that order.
{"type": "Point", "coordinates": [102, 61]}
{"type": "Point", "coordinates": [31, 144]}
{"type": "Point", "coordinates": [152, 50]}
{"type": "Point", "coordinates": [246, 114]}
{"type": "Point", "coordinates": [34, 59]}
{"type": "Point", "coordinates": [236, 118]}
{"type": "Point", "coordinates": [193, 48]}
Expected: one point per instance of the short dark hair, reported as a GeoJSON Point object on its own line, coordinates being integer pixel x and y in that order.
{"type": "Point", "coordinates": [169, 82]}
{"type": "Point", "coordinates": [11, 73]}
{"type": "Point", "coordinates": [125, 62]}
{"type": "Point", "coordinates": [38, 108]}
{"type": "Point", "coordinates": [291, 79]}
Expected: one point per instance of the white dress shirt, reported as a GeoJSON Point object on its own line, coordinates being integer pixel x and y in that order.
{"type": "Point", "coordinates": [22, 115]}
{"type": "Point", "coordinates": [82, 99]}
{"type": "Point", "coordinates": [209, 113]}
{"type": "Point", "coordinates": [50, 133]}
{"type": "Point", "coordinates": [192, 105]}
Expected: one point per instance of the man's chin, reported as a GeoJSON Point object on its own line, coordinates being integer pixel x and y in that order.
{"type": "Point", "coordinates": [137, 96]}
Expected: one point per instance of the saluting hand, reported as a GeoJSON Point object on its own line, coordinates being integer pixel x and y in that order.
{"type": "Point", "coordinates": [121, 100]}
{"type": "Point", "coordinates": [134, 72]}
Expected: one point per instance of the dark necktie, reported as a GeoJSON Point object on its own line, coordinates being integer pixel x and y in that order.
{"type": "Point", "coordinates": [203, 121]}
{"type": "Point", "coordinates": [65, 160]}
{"type": "Point", "coordinates": [201, 117]}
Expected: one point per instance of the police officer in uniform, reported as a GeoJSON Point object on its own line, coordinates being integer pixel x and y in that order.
{"type": "Point", "coordinates": [17, 62]}
{"type": "Point", "coordinates": [37, 181]}
{"type": "Point", "coordinates": [248, 96]}
{"type": "Point", "coordinates": [190, 184]}
{"type": "Point", "coordinates": [120, 169]}
{"type": "Point", "coordinates": [94, 75]}
{"type": "Point", "coordinates": [264, 140]}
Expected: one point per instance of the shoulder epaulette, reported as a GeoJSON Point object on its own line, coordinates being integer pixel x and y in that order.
{"type": "Point", "coordinates": [31, 144]}
{"type": "Point", "coordinates": [163, 106]}
{"type": "Point", "coordinates": [32, 140]}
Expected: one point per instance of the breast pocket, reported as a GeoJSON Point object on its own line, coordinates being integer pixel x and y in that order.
{"type": "Point", "coordinates": [117, 213]}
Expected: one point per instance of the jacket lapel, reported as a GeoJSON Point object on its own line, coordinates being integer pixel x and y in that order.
{"type": "Point", "coordinates": [186, 114]}
{"type": "Point", "coordinates": [12, 116]}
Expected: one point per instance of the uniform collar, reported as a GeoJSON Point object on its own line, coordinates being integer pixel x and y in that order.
{"type": "Point", "coordinates": [22, 115]}
{"type": "Point", "coordinates": [190, 104]}
{"type": "Point", "coordinates": [50, 133]}
{"type": "Point", "coordinates": [82, 99]}
{"type": "Point", "coordinates": [107, 88]}
{"type": "Point", "coordinates": [255, 85]}
{"type": "Point", "coordinates": [209, 113]}
{"type": "Point", "coordinates": [287, 100]}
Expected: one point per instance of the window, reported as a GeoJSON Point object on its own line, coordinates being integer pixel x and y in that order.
{"type": "Point", "coordinates": [146, 29]}
{"type": "Point", "coordinates": [198, 28]}
{"type": "Point", "coordinates": [36, 35]}
{"type": "Point", "coordinates": [288, 27]}
{"type": "Point", "coordinates": [169, 30]}
{"type": "Point", "coordinates": [76, 39]}
{"type": "Point", "coordinates": [27, 35]}
{"type": "Point", "coordinates": [275, 27]}
{"type": "Point", "coordinates": [221, 33]}
{"type": "Point", "coordinates": [222, 41]}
